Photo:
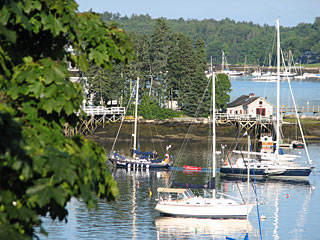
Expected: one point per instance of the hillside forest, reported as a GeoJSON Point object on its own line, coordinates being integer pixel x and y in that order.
{"type": "Point", "coordinates": [239, 40]}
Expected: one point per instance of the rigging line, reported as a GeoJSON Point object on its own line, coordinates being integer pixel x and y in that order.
{"type": "Point", "coordinates": [237, 143]}
{"type": "Point", "coordinates": [158, 136]}
{"type": "Point", "coordinates": [301, 131]}
{"type": "Point", "coordinates": [187, 138]}
{"type": "Point", "coordinates": [228, 157]}
{"type": "Point", "coordinates": [273, 44]}
{"type": "Point", "coordinates": [152, 140]}
{"type": "Point", "coordinates": [298, 119]}
{"type": "Point", "coordinates": [122, 120]}
{"type": "Point", "coordinates": [257, 200]}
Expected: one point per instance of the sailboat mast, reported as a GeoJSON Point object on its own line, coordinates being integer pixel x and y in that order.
{"type": "Point", "coordinates": [278, 89]}
{"type": "Point", "coordinates": [213, 122]}
{"type": "Point", "coordinates": [136, 117]}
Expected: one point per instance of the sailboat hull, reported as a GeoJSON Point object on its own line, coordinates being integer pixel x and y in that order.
{"type": "Point", "coordinates": [294, 173]}
{"type": "Point", "coordinates": [138, 164]}
{"type": "Point", "coordinates": [204, 208]}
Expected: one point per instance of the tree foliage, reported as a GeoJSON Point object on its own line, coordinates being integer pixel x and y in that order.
{"type": "Point", "coordinates": [171, 67]}
{"type": "Point", "coordinates": [223, 88]}
{"type": "Point", "coordinates": [150, 109]}
{"type": "Point", "coordinates": [40, 169]}
{"type": "Point", "coordinates": [236, 39]}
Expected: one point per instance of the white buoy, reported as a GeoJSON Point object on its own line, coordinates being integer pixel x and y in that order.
{"type": "Point", "coordinates": [263, 217]}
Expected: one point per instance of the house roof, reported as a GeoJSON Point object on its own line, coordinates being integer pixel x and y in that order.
{"type": "Point", "coordinates": [242, 100]}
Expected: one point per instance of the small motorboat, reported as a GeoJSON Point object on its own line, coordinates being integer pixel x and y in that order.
{"type": "Point", "coordinates": [297, 144]}
{"type": "Point", "coordinates": [191, 168]}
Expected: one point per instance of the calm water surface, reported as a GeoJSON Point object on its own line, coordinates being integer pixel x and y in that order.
{"type": "Point", "coordinates": [305, 91]}
{"type": "Point", "coordinates": [292, 209]}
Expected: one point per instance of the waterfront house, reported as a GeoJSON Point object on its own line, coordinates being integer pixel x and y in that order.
{"type": "Point", "coordinates": [250, 106]}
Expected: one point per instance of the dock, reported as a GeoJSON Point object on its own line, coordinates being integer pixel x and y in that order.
{"type": "Point", "coordinates": [315, 110]}
{"type": "Point", "coordinates": [94, 117]}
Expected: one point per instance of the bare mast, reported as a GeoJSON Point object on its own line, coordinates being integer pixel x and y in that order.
{"type": "Point", "coordinates": [136, 117]}
{"type": "Point", "coordinates": [278, 89]}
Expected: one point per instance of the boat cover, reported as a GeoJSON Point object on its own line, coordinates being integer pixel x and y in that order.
{"type": "Point", "coordinates": [144, 155]}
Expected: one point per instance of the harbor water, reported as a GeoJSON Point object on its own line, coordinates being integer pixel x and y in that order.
{"type": "Point", "coordinates": [306, 91]}
{"type": "Point", "coordinates": [286, 209]}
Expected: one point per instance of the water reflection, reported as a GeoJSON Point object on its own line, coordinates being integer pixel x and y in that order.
{"type": "Point", "coordinates": [180, 228]}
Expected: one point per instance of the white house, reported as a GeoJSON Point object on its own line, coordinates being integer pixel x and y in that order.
{"type": "Point", "coordinates": [251, 106]}
{"type": "Point", "coordinates": [172, 105]}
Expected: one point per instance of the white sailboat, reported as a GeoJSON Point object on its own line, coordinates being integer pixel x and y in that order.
{"type": "Point", "coordinates": [183, 203]}
{"type": "Point", "coordinates": [231, 73]}
{"type": "Point", "coordinates": [138, 159]}
{"type": "Point", "coordinates": [272, 165]}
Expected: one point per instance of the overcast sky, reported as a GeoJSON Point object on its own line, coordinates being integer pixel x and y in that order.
{"type": "Point", "coordinates": [290, 12]}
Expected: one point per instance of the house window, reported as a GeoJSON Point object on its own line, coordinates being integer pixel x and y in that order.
{"type": "Point", "coordinates": [260, 102]}
{"type": "Point", "coordinates": [261, 111]}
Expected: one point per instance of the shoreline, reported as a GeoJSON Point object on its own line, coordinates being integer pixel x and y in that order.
{"type": "Point", "coordinates": [177, 128]}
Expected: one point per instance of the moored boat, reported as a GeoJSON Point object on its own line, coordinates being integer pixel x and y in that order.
{"type": "Point", "coordinates": [181, 202]}
{"type": "Point", "coordinates": [138, 159]}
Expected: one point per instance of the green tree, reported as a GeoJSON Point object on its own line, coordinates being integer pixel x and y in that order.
{"type": "Point", "coordinates": [201, 79]}
{"type": "Point", "coordinates": [40, 169]}
{"type": "Point", "coordinates": [223, 88]}
{"type": "Point", "coordinates": [159, 51]}
{"type": "Point", "coordinates": [175, 68]}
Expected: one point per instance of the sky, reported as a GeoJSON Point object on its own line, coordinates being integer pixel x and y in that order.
{"type": "Point", "coordinates": [290, 12]}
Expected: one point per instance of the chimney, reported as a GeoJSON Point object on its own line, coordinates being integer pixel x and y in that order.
{"type": "Point", "coordinates": [251, 95]}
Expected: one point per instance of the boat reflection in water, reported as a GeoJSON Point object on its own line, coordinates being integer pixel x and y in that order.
{"type": "Point", "coordinates": [180, 228]}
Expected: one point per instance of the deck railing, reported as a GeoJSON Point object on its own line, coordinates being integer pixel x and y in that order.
{"type": "Point", "coordinates": [301, 109]}
{"type": "Point", "coordinates": [103, 111]}
{"type": "Point", "coordinates": [243, 117]}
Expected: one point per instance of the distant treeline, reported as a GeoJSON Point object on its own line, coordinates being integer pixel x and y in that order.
{"type": "Point", "coordinates": [239, 40]}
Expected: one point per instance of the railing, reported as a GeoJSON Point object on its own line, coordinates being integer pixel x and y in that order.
{"type": "Point", "coordinates": [244, 117]}
{"type": "Point", "coordinates": [301, 109]}
{"type": "Point", "coordinates": [100, 111]}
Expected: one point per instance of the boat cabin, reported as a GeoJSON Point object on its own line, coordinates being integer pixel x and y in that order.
{"type": "Point", "coordinates": [172, 194]}
{"type": "Point", "coordinates": [250, 106]}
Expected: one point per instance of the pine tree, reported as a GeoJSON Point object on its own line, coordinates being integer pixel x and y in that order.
{"type": "Point", "coordinates": [159, 51]}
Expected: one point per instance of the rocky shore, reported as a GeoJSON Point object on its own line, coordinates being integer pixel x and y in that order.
{"type": "Point", "coordinates": [197, 128]}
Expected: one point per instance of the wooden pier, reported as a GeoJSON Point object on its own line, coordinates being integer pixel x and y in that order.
{"type": "Point", "coordinates": [247, 123]}
{"type": "Point", "coordinates": [94, 117]}
{"type": "Point", "coordinates": [260, 124]}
